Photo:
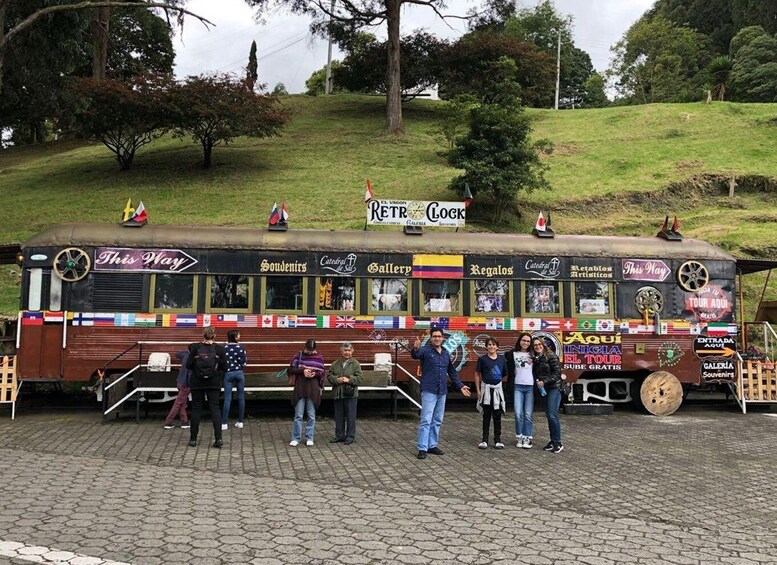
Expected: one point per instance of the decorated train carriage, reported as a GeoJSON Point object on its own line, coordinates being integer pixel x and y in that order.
{"type": "Point", "coordinates": [617, 310]}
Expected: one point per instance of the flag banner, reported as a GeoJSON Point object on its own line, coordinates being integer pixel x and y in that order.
{"type": "Point", "coordinates": [362, 321]}
{"type": "Point", "coordinates": [128, 210]}
{"type": "Point", "coordinates": [440, 322]}
{"type": "Point", "coordinates": [145, 319]}
{"type": "Point", "coordinates": [34, 319]}
{"type": "Point", "coordinates": [274, 215]}
{"type": "Point", "coordinates": [540, 225]}
{"type": "Point", "coordinates": [324, 322]}
{"type": "Point", "coordinates": [569, 324]}
{"type": "Point", "coordinates": [186, 320]}
{"type": "Point", "coordinates": [126, 320]}
{"type": "Point", "coordinates": [53, 317]}
{"type": "Point", "coordinates": [225, 321]}
{"type": "Point", "coordinates": [717, 329]}
{"type": "Point", "coordinates": [383, 322]}
{"type": "Point", "coordinates": [551, 325]}
{"type": "Point", "coordinates": [248, 321]}
{"type": "Point", "coordinates": [168, 320]}
{"type": "Point", "coordinates": [458, 323]}
{"type": "Point", "coordinates": [624, 328]}
{"type": "Point", "coordinates": [281, 321]}
{"type": "Point", "coordinates": [531, 324]}
{"type": "Point", "coordinates": [284, 214]}
{"type": "Point", "coordinates": [511, 323]}
{"type": "Point", "coordinates": [696, 329]}
{"type": "Point", "coordinates": [203, 320]}
{"type": "Point", "coordinates": [586, 325]}
{"type": "Point", "coordinates": [267, 321]}
{"type": "Point", "coordinates": [345, 322]}
{"type": "Point", "coordinates": [423, 324]}
{"type": "Point", "coordinates": [491, 323]}
{"type": "Point", "coordinates": [82, 319]}
{"type": "Point", "coordinates": [404, 322]}
{"type": "Point", "coordinates": [438, 266]}
{"type": "Point", "coordinates": [605, 325]}
{"type": "Point", "coordinates": [104, 319]}
{"type": "Point", "coordinates": [307, 321]}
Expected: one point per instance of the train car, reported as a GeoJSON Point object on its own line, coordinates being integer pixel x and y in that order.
{"type": "Point", "coordinates": [630, 317]}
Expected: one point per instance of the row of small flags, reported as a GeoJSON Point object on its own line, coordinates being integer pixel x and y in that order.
{"type": "Point", "coordinates": [379, 322]}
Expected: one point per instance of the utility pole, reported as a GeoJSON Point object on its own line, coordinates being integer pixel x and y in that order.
{"type": "Point", "coordinates": [328, 81]}
{"type": "Point", "coordinates": [558, 67]}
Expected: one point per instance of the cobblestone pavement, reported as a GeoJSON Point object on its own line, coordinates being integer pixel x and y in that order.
{"type": "Point", "coordinates": [696, 487]}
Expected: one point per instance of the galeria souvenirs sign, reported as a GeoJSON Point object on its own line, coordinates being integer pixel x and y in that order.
{"type": "Point", "coordinates": [415, 213]}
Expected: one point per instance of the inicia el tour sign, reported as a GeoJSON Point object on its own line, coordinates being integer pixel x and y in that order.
{"type": "Point", "coordinates": [415, 213]}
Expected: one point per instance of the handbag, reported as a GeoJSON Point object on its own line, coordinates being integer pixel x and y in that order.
{"type": "Point", "coordinates": [349, 390]}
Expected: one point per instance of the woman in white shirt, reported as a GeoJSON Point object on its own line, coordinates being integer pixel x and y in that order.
{"type": "Point", "coordinates": [519, 366]}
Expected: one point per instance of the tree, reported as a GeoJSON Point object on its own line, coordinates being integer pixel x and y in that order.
{"type": "Point", "coordinates": [595, 96]}
{"type": "Point", "coordinates": [252, 70]}
{"type": "Point", "coordinates": [754, 72]}
{"type": "Point", "coordinates": [351, 15]}
{"type": "Point", "coordinates": [720, 74]}
{"type": "Point", "coordinates": [215, 109]}
{"type": "Point", "coordinates": [316, 83]}
{"type": "Point", "coordinates": [657, 61]}
{"type": "Point", "coordinates": [497, 156]}
{"type": "Point", "coordinates": [280, 90]}
{"type": "Point", "coordinates": [8, 34]}
{"type": "Point", "coordinates": [124, 115]}
{"type": "Point", "coordinates": [364, 69]}
{"type": "Point", "coordinates": [469, 64]}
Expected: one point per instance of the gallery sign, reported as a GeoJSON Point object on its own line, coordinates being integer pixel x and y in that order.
{"type": "Point", "coordinates": [415, 213]}
{"type": "Point", "coordinates": [653, 270]}
{"type": "Point", "coordinates": [150, 260]}
{"type": "Point", "coordinates": [718, 371]}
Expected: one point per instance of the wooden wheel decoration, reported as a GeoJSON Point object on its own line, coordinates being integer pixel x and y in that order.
{"type": "Point", "coordinates": [693, 276]}
{"type": "Point", "coordinates": [661, 393]}
{"type": "Point", "coordinates": [72, 264]}
{"type": "Point", "coordinates": [650, 299]}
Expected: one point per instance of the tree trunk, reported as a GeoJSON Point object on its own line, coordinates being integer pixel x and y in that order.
{"type": "Point", "coordinates": [394, 92]}
{"type": "Point", "coordinates": [207, 149]}
{"type": "Point", "coordinates": [100, 20]}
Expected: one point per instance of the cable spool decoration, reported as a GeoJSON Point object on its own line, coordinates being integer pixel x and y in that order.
{"type": "Point", "coordinates": [72, 264]}
{"type": "Point", "coordinates": [693, 276]}
{"type": "Point", "coordinates": [649, 299]}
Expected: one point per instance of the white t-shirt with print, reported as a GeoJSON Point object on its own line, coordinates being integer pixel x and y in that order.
{"type": "Point", "coordinates": [523, 362]}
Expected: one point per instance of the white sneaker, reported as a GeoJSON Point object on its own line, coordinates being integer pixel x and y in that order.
{"type": "Point", "coordinates": [527, 443]}
{"type": "Point", "coordinates": [499, 445]}
{"type": "Point", "coordinates": [520, 441]}
{"type": "Point", "coordinates": [224, 427]}
{"type": "Point", "coordinates": [482, 445]}
{"type": "Point", "coordinates": [309, 442]}
{"type": "Point", "coordinates": [294, 443]}
{"type": "Point", "coordinates": [239, 425]}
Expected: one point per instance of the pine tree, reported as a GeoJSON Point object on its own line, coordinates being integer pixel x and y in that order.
{"type": "Point", "coordinates": [252, 68]}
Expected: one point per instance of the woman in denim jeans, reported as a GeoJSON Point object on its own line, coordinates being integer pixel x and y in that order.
{"type": "Point", "coordinates": [306, 375]}
{"type": "Point", "coordinates": [547, 375]}
{"type": "Point", "coordinates": [236, 362]}
{"type": "Point", "coordinates": [519, 368]}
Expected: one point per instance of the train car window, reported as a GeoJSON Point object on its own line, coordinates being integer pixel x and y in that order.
{"type": "Point", "coordinates": [491, 296]}
{"type": "Point", "coordinates": [229, 292]}
{"type": "Point", "coordinates": [441, 296]}
{"type": "Point", "coordinates": [592, 299]}
{"type": "Point", "coordinates": [55, 292]}
{"type": "Point", "coordinates": [541, 298]}
{"type": "Point", "coordinates": [36, 289]}
{"type": "Point", "coordinates": [173, 293]}
{"type": "Point", "coordinates": [283, 294]}
{"type": "Point", "coordinates": [390, 295]}
{"type": "Point", "coordinates": [337, 294]}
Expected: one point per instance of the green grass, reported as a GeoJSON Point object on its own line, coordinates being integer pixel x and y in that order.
{"type": "Point", "coordinates": [609, 173]}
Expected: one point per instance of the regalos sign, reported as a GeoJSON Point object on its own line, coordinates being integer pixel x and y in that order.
{"type": "Point", "coordinates": [415, 213]}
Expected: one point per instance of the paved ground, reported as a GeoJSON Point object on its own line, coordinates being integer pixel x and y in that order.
{"type": "Point", "coordinates": [697, 487]}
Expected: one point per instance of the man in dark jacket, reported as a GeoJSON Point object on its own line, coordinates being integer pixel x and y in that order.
{"type": "Point", "coordinates": [208, 363]}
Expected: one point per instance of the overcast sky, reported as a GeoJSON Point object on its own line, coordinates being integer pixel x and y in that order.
{"type": "Point", "coordinates": [288, 54]}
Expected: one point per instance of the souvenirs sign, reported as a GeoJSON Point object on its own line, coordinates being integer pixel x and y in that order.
{"type": "Point", "coordinates": [415, 213]}
{"type": "Point", "coordinates": [151, 260]}
{"type": "Point", "coordinates": [718, 371]}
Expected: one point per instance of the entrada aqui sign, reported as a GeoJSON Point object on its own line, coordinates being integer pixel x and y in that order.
{"type": "Point", "coordinates": [415, 213]}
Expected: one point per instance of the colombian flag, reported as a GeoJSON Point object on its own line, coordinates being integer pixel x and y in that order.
{"type": "Point", "coordinates": [438, 266]}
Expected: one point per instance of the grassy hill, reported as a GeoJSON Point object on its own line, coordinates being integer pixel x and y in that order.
{"type": "Point", "coordinates": [614, 171]}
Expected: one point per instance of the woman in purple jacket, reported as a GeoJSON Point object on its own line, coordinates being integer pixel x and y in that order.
{"type": "Point", "coordinates": [306, 375]}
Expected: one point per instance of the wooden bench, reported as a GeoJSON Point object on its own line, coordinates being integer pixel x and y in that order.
{"type": "Point", "coordinates": [165, 382]}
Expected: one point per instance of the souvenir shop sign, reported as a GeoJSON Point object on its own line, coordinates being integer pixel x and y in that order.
{"type": "Point", "coordinates": [652, 270]}
{"type": "Point", "coordinates": [335, 264]}
{"type": "Point", "coordinates": [415, 213]}
{"type": "Point", "coordinates": [718, 371]}
{"type": "Point", "coordinates": [149, 260]}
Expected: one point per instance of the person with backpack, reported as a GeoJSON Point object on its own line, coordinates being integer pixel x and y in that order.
{"type": "Point", "coordinates": [208, 363]}
{"type": "Point", "coordinates": [306, 375]}
{"type": "Point", "coordinates": [236, 362]}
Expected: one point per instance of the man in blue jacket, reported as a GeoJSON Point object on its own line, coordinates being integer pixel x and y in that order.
{"type": "Point", "coordinates": [436, 367]}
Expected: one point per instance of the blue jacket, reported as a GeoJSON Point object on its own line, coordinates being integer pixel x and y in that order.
{"type": "Point", "coordinates": [183, 372]}
{"type": "Point", "coordinates": [435, 370]}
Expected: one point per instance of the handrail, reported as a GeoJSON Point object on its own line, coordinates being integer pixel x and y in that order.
{"type": "Point", "coordinates": [130, 348]}
{"type": "Point", "coordinates": [401, 368]}
{"type": "Point", "coordinates": [121, 378]}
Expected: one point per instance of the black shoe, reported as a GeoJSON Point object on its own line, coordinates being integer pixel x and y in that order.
{"type": "Point", "coordinates": [421, 455]}
{"type": "Point", "coordinates": [436, 451]}
{"type": "Point", "coordinates": [336, 440]}
{"type": "Point", "coordinates": [558, 448]}
{"type": "Point", "coordinates": [348, 441]}
{"type": "Point", "coordinates": [218, 443]}
{"type": "Point", "coordinates": [549, 446]}
{"type": "Point", "coordinates": [192, 443]}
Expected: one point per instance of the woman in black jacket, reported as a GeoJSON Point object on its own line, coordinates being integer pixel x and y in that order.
{"type": "Point", "coordinates": [547, 374]}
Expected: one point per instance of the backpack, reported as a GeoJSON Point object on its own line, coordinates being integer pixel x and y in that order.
{"type": "Point", "coordinates": [206, 361]}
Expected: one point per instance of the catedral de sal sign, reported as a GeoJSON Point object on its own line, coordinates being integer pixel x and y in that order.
{"type": "Point", "coordinates": [415, 213]}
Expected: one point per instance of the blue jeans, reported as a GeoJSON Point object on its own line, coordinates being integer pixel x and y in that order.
{"type": "Point", "coordinates": [299, 412]}
{"type": "Point", "coordinates": [239, 380]}
{"type": "Point", "coordinates": [523, 397]}
{"type": "Point", "coordinates": [552, 404]}
{"type": "Point", "coordinates": [432, 411]}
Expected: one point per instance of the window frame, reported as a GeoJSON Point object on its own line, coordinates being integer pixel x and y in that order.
{"type": "Point", "coordinates": [152, 295]}
{"type": "Point", "coordinates": [493, 314]}
{"type": "Point", "coordinates": [405, 312]}
{"type": "Point", "coordinates": [263, 296]}
{"type": "Point", "coordinates": [356, 298]}
{"type": "Point", "coordinates": [209, 287]}
{"type": "Point", "coordinates": [436, 313]}
{"type": "Point", "coordinates": [610, 300]}
{"type": "Point", "coordinates": [526, 314]}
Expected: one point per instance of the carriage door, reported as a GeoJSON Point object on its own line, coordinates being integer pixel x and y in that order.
{"type": "Point", "coordinates": [40, 349]}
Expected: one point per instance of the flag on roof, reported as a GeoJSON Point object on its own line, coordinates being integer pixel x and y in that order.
{"type": "Point", "coordinates": [138, 218]}
{"type": "Point", "coordinates": [676, 225]}
{"type": "Point", "coordinates": [467, 196]}
{"type": "Point", "coordinates": [540, 225]}
{"type": "Point", "coordinates": [369, 194]}
{"type": "Point", "coordinates": [128, 210]}
{"type": "Point", "coordinates": [274, 214]}
{"type": "Point", "coordinates": [284, 214]}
